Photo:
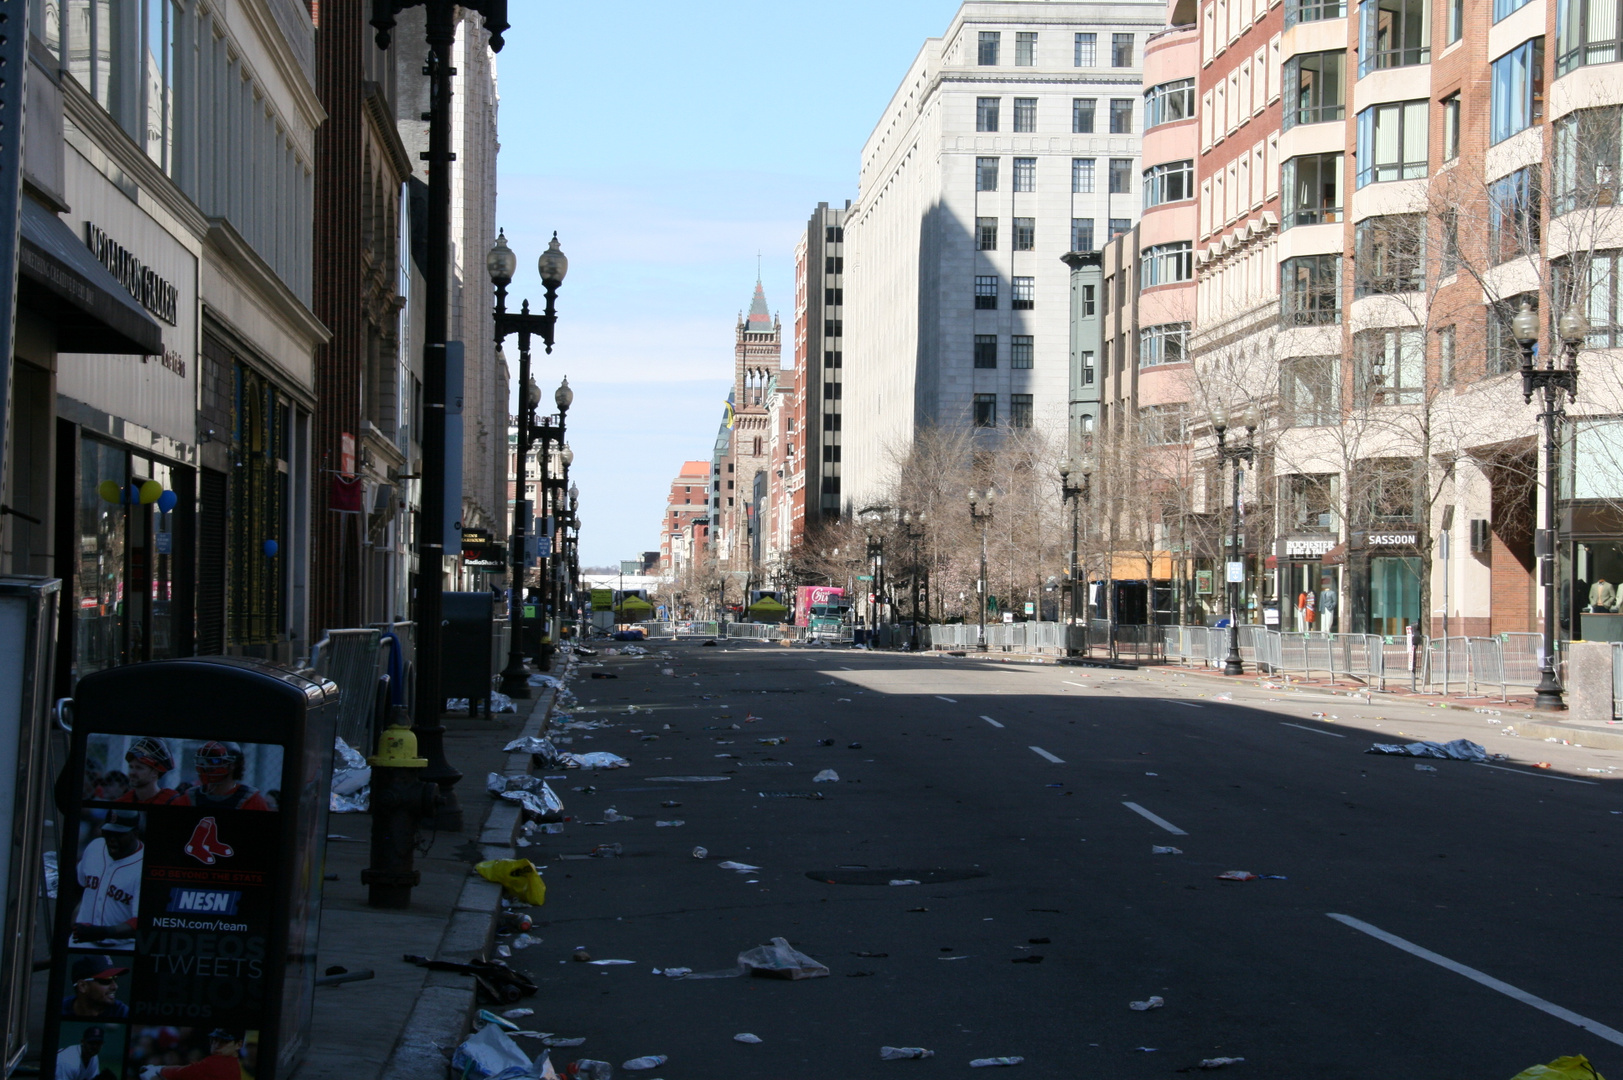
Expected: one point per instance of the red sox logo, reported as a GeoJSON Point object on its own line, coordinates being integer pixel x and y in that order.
{"type": "Point", "coordinates": [205, 845]}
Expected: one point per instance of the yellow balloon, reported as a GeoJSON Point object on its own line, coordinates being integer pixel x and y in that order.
{"type": "Point", "coordinates": [110, 491]}
{"type": "Point", "coordinates": [151, 490]}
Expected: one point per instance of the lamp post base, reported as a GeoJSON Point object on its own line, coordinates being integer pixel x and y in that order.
{"type": "Point", "coordinates": [516, 683]}
{"type": "Point", "coordinates": [1547, 695]}
{"type": "Point", "coordinates": [1233, 666]}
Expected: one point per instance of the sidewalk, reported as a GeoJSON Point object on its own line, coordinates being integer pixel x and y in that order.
{"type": "Point", "coordinates": [403, 1024]}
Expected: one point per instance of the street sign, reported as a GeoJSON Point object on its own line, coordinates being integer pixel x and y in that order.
{"type": "Point", "coordinates": [864, 577]}
{"type": "Point", "coordinates": [1031, 609]}
{"type": "Point", "coordinates": [1236, 573]}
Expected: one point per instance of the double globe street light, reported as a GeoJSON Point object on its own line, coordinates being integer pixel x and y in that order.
{"type": "Point", "coordinates": [1234, 575]}
{"type": "Point", "coordinates": [501, 264]}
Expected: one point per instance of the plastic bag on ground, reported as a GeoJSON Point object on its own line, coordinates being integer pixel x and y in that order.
{"type": "Point", "coordinates": [1457, 750]}
{"type": "Point", "coordinates": [1576, 1067]}
{"type": "Point", "coordinates": [487, 1053]}
{"type": "Point", "coordinates": [518, 877]}
{"type": "Point", "coordinates": [780, 960]}
{"type": "Point", "coordinates": [600, 759]}
{"type": "Point", "coordinates": [549, 680]}
{"type": "Point", "coordinates": [827, 776]}
{"type": "Point", "coordinates": [501, 703]}
{"type": "Point", "coordinates": [981, 1063]}
{"type": "Point", "coordinates": [650, 1061]}
{"type": "Point", "coordinates": [351, 780]}
{"type": "Point", "coordinates": [903, 1053]}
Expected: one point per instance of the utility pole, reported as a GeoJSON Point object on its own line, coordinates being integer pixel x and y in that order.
{"type": "Point", "coordinates": [440, 20]}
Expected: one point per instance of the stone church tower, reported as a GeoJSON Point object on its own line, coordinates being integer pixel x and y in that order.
{"type": "Point", "coordinates": [757, 353]}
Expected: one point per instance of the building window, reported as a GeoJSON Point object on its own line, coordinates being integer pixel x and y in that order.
{"type": "Point", "coordinates": [1082, 177]}
{"type": "Point", "coordinates": [986, 410]}
{"type": "Point", "coordinates": [1392, 142]}
{"type": "Point", "coordinates": [1390, 254]}
{"type": "Point", "coordinates": [1310, 390]}
{"type": "Point", "coordinates": [834, 264]}
{"type": "Point", "coordinates": [1456, 20]}
{"type": "Point", "coordinates": [1082, 235]}
{"type": "Point", "coordinates": [1167, 343]}
{"type": "Point", "coordinates": [1025, 48]}
{"type": "Point", "coordinates": [1163, 425]}
{"type": "Point", "coordinates": [1089, 306]}
{"type": "Point", "coordinates": [1025, 174]}
{"type": "Point", "coordinates": [986, 110]}
{"type": "Point", "coordinates": [1449, 226]}
{"type": "Point", "coordinates": [1121, 50]}
{"type": "Point", "coordinates": [1386, 491]}
{"type": "Point", "coordinates": [833, 327]}
{"type": "Point", "coordinates": [1082, 110]}
{"type": "Point", "coordinates": [1600, 291]}
{"type": "Point", "coordinates": [1588, 149]}
{"type": "Point", "coordinates": [1168, 102]}
{"type": "Point", "coordinates": [987, 56]}
{"type": "Point", "coordinates": [986, 350]}
{"type": "Point", "coordinates": [1518, 90]}
{"type": "Point", "coordinates": [1446, 344]}
{"type": "Point", "coordinates": [1025, 234]}
{"type": "Point", "coordinates": [1501, 8]}
{"type": "Point", "coordinates": [1313, 11]}
{"type": "Point", "coordinates": [986, 292]}
{"type": "Point", "coordinates": [1393, 33]}
{"type": "Point", "coordinates": [986, 233]}
{"type": "Point", "coordinates": [1020, 351]}
{"type": "Point", "coordinates": [986, 174]}
{"type": "Point", "coordinates": [1312, 186]}
{"type": "Point", "coordinates": [1513, 215]}
{"type": "Point", "coordinates": [1451, 126]}
{"type": "Point", "coordinates": [833, 358]}
{"type": "Point", "coordinates": [1164, 264]}
{"type": "Point", "coordinates": [1390, 366]}
{"type": "Point", "coordinates": [1024, 294]}
{"type": "Point", "coordinates": [1088, 368]}
{"type": "Point", "coordinates": [1025, 115]}
{"type": "Point", "coordinates": [1020, 410]}
{"type": "Point", "coordinates": [1121, 116]}
{"type": "Point", "coordinates": [1310, 290]}
{"type": "Point", "coordinates": [1120, 226]}
{"type": "Point", "coordinates": [836, 234]}
{"type": "Point", "coordinates": [1121, 176]}
{"type": "Point", "coordinates": [1309, 502]}
{"type": "Point", "coordinates": [1172, 182]}
{"type": "Point", "coordinates": [834, 296]}
{"type": "Point", "coordinates": [1587, 32]}
{"type": "Point", "coordinates": [1087, 50]}
{"type": "Point", "coordinates": [1315, 91]}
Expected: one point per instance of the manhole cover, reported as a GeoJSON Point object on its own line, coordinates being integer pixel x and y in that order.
{"type": "Point", "coordinates": [932, 876]}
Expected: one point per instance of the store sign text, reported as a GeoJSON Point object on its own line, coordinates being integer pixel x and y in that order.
{"type": "Point", "coordinates": [1392, 539]}
{"type": "Point", "coordinates": [1307, 549]}
{"type": "Point", "coordinates": [154, 293]}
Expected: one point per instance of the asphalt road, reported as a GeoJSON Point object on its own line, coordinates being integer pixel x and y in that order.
{"type": "Point", "coordinates": [1005, 789]}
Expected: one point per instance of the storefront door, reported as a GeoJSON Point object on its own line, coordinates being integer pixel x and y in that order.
{"type": "Point", "coordinates": [1394, 594]}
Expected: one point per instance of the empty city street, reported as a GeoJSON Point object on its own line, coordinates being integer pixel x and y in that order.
{"type": "Point", "coordinates": [1436, 921]}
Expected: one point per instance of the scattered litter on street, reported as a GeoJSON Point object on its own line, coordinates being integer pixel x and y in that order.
{"type": "Point", "coordinates": [1576, 1067]}
{"type": "Point", "coordinates": [587, 1069]}
{"type": "Point", "coordinates": [742, 868]}
{"type": "Point", "coordinates": [1156, 849]}
{"type": "Point", "coordinates": [524, 941]}
{"type": "Point", "coordinates": [1034, 958]}
{"type": "Point", "coordinates": [827, 776]}
{"type": "Point", "coordinates": [674, 972]}
{"type": "Point", "coordinates": [780, 960]}
{"type": "Point", "coordinates": [981, 1063]}
{"type": "Point", "coordinates": [652, 1061]}
{"type": "Point", "coordinates": [607, 851]}
{"type": "Point", "coordinates": [676, 824]}
{"type": "Point", "coordinates": [351, 780]}
{"type": "Point", "coordinates": [686, 779]}
{"type": "Point", "coordinates": [488, 1017]}
{"type": "Point", "coordinates": [599, 760]}
{"type": "Point", "coordinates": [1424, 768]}
{"type": "Point", "coordinates": [903, 1053]}
{"type": "Point", "coordinates": [746, 1037]}
{"type": "Point", "coordinates": [610, 963]}
{"type": "Point", "coordinates": [603, 675]}
{"type": "Point", "coordinates": [815, 796]}
{"type": "Point", "coordinates": [1236, 875]}
{"type": "Point", "coordinates": [1146, 1006]}
{"type": "Point", "coordinates": [514, 1014]}
{"type": "Point", "coordinates": [486, 1053]}
{"type": "Point", "coordinates": [1458, 750]}
{"type": "Point", "coordinates": [903, 881]}
{"type": "Point", "coordinates": [517, 877]}
{"type": "Point", "coordinates": [701, 853]}
{"type": "Point", "coordinates": [1219, 1062]}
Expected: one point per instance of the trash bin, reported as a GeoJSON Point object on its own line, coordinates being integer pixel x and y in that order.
{"type": "Point", "coordinates": [465, 657]}
{"type": "Point", "coordinates": [194, 817]}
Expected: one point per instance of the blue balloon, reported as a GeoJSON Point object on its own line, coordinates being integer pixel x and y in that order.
{"type": "Point", "coordinates": [167, 501]}
{"type": "Point", "coordinates": [271, 548]}
{"type": "Point", "coordinates": [132, 495]}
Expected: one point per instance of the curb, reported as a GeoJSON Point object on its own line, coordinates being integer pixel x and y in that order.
{"type": "Point", "coordinates": [445, 1010]}
{"type": "Point", "coordinates": [1593, 738]}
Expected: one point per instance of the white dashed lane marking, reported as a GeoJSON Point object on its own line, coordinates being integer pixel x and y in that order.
{"type": "Point", "coordinates": [948, 700]}
{"type": "Point", "coordinates": [1314, 730]}
{"type": "Point", "coordinates": [1040, 752]}
{"type": "Point", "coordinates": [1161, 821]}
{"type": "Point", "coordinates": [989, 720]}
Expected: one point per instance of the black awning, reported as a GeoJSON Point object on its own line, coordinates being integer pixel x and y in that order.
{"type": "Point", "coordinates": [59, 275]}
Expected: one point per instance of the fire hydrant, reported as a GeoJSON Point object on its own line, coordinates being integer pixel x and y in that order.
{"type": "Point", "coordinates": [401, 801]}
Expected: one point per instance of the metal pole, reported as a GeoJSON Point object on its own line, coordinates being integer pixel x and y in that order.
{"type": "Point", "coordinates": [441, 35]}
{"type": "Point", "coordinates": [1548, 693]}
{"type": "Point", "coordinates": [1076, 499]}
{"type": "Point", "coordinates": [515, 679]}
{"type": "Point", "coordinates": [980, 641]}
{"type": "Point", "coordinates": [1233, 664]}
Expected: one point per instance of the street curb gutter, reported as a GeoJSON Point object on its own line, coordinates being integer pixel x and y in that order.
{"type": "Point", "coordinates": [445, 1010]}
{"type": "Point", "coordinates": [1586, 736]}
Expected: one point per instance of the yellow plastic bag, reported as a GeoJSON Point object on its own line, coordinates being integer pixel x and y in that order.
{"type": "Point", "coordinates": [1565, 1068]}
{"type": "Point", "coordinates": [518, 876]}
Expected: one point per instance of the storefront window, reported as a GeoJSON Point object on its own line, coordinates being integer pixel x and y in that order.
{"type": "Point", "coordinates": [100, 580]}
{"type": "Point", "coordinates": [1394, 594]}
{"type": "Point", "coordinates": [258, 511]}
{"type": "Point", "coordinates": [1597, 591]}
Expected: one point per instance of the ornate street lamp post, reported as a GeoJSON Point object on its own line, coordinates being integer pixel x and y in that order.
{"type": "Point", "coordinates": [501, 263]}
{"type": "Point", "coordinates": [1077, 493]}
{"type": "Point", "coordinates": [913, 526]}
{"type": "Point", "coordinates": [1554, 382]}
{"type": "Point", "coordinates": [1246, 452]}
{"type": "Point", "coordinates": [980, 510]}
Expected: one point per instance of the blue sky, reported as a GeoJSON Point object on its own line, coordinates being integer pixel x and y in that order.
{"type": "Point", "coordinates": [668, 144]}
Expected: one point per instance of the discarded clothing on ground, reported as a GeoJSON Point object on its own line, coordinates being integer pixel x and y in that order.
{"type": "Point", "coordinates": [1457, 750]}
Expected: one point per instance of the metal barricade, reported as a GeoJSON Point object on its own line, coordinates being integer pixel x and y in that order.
{"type": "Point", "coordinates": [1487, 660]}
{"type": "Point", "coordinates": [1448, 662]}
{"type": "Point", "coordinates": [1617, 679]}
{"type": "Point", "coordinates": [350, 659]}
{"type": "Point", "coordinates": [1523, 657]}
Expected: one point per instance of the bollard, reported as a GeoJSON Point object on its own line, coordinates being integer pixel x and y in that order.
{"type": "Point", "coordinates": [401, 802]}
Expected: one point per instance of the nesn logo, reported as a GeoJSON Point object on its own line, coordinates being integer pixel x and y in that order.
{"type": "Point", "coordinates": [204, 901]}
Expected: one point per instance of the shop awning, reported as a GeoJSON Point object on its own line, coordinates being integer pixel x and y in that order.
{"type": "Point", "coordinates": [57, 273]}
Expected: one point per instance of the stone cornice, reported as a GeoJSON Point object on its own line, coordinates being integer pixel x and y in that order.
{"type": "Point", "coordinates": [114, 142]}
{"type": "Point", "coordinates": [224, 239]}
{"type": "Point", "coordinates": [287, 65]}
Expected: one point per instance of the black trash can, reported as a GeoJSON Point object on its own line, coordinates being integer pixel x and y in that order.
{"type": "Point", "coordinates": [194, 819]}
{"type": "Point", "coordinates": [466, 657]}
